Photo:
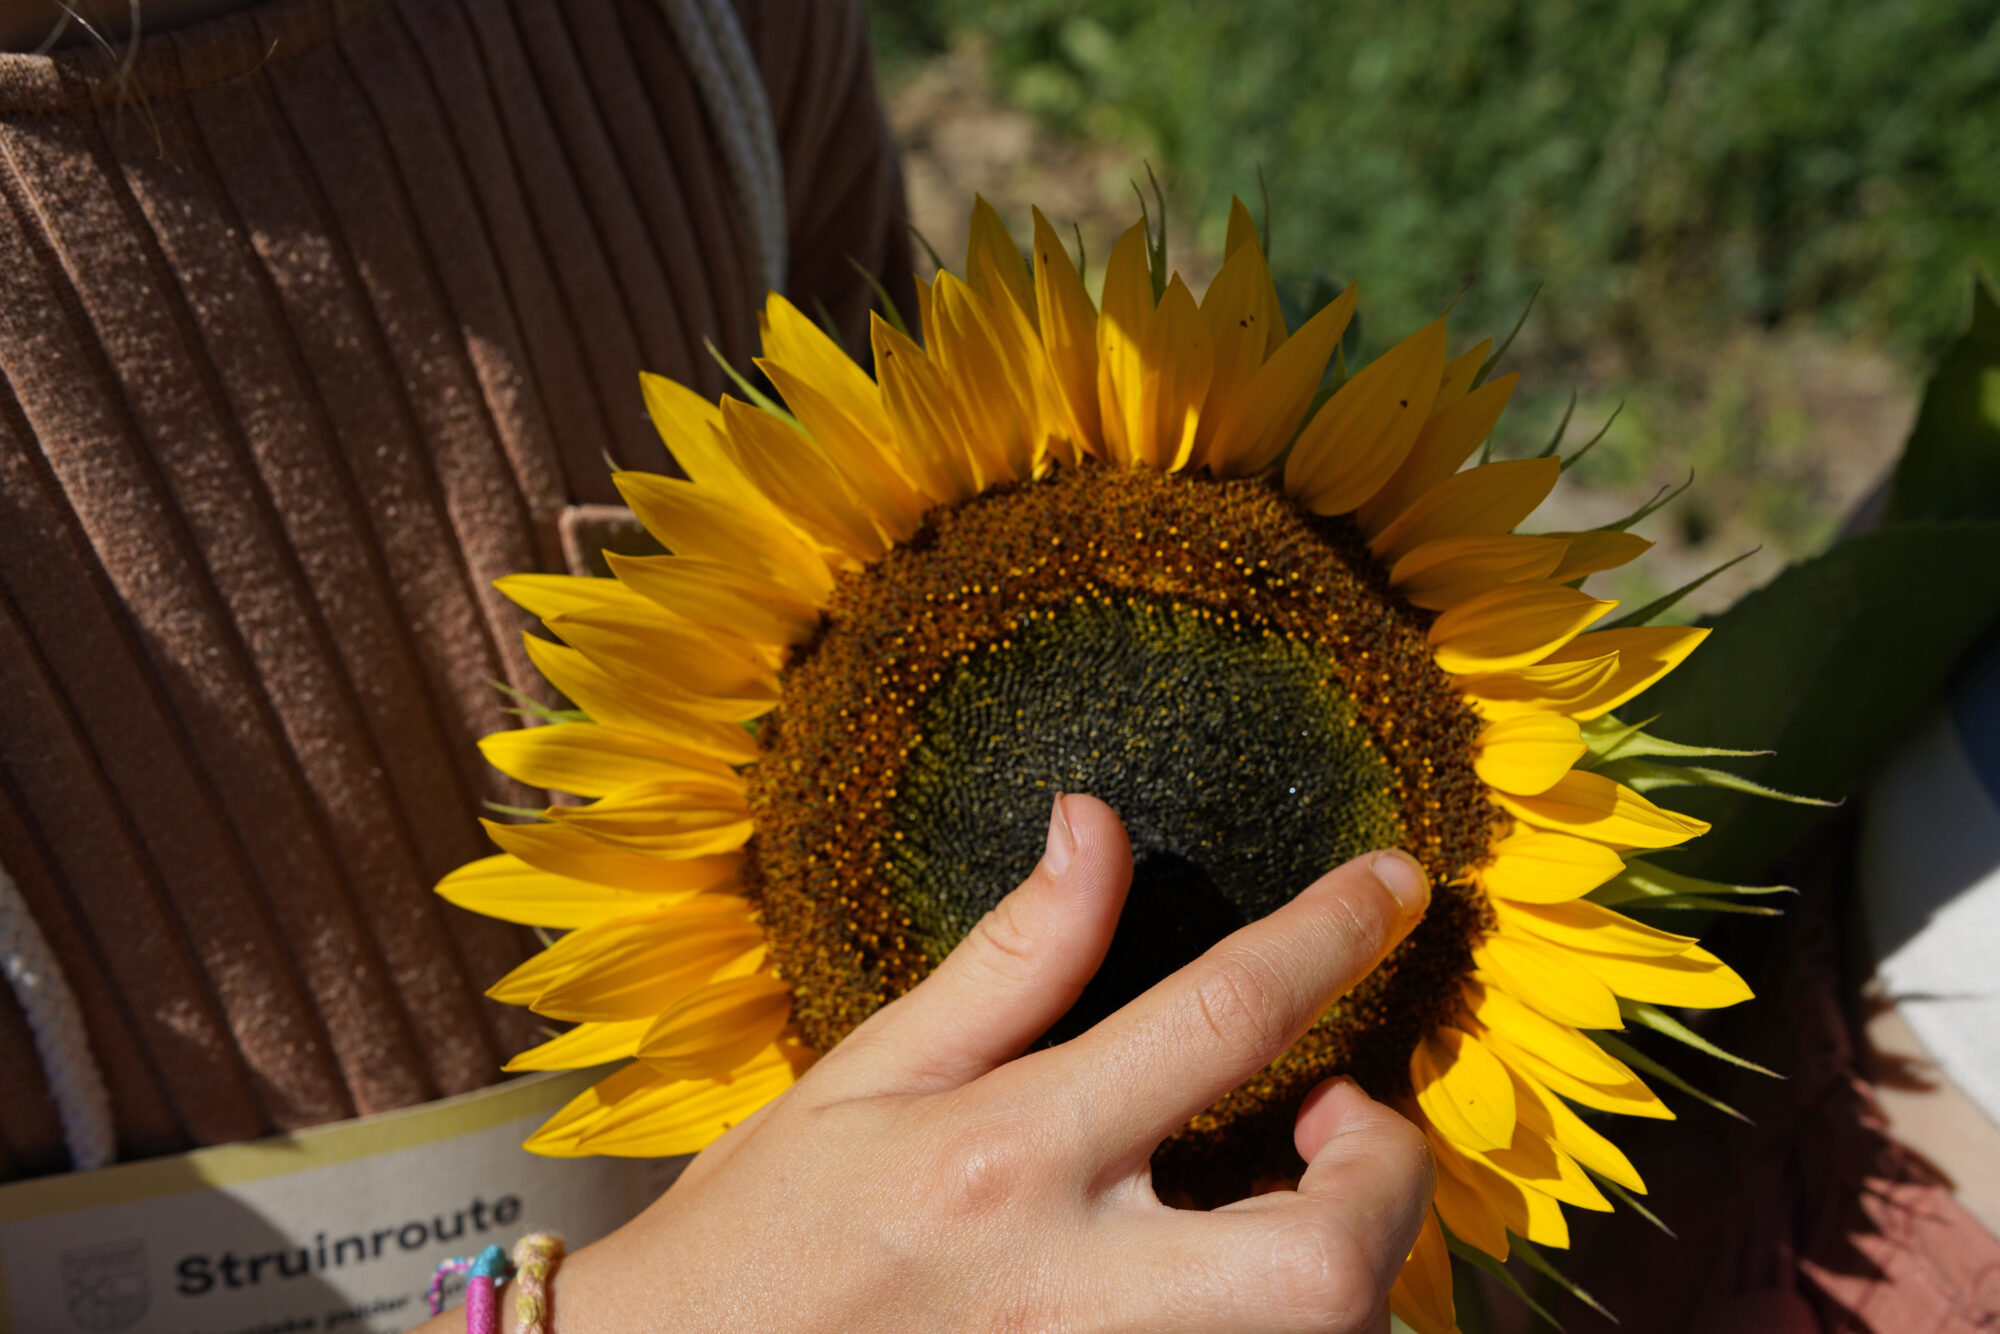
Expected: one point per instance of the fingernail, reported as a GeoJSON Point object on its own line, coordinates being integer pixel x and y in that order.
{"type": "Point", "coordinates": [1062, 843]}
{"type": "Point", "coordinates": [1398, 872]}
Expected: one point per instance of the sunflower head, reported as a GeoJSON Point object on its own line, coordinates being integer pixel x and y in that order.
{"type": "Point", "coordinates": [1151, 548]}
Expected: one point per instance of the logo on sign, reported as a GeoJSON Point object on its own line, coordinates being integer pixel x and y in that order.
{"type": "Point", "coordinates": [104, 1286]}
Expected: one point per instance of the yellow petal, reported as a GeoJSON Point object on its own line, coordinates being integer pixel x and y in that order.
{"type": "Point", "coordinates": [1260, 421]}
{"type": "Point", "coordinates": [1629, 1098]}
{"type": "Point", "coordinates": [1485, 500]}
{"type": "Point", "coordinates": [587, 759]}
{"type": "Point", "coordinates": [1472, 1216]}
{"type": "Point", "coordinates": [1694, 978]}
{"type": "Point", "coordinates": [1068, 324]}
{"type": "Point", "coordinates": [799, 348]}
{"type": "Point", "coordinates": [1451, 570]}
{"type": "Point", "coordinates": [513, 891]}
{"type": "Point", "coordinates": [861, 448]}
{"type": "Point", "coordinates": [1528, 754]}
{"type": "Point", "coordinates": [663, 1117]}
{"type": "Point", "coordinates": [1463, 1089]}
{"type": "Point", "coordinates": [1421, 1294]}
{"type": "Point", "coordinates": [636, 967]}
{"type": "Point", "coordinates": [713, 1030]}
{"type": "Point", "coordinates": [691, 428]}
{"type": "Point", "coordinates": [993, 266]}
{"type": "Point", "coordinates": [991, 379]}
{"type": "Point", "coordinates": [1179, 362]}
{"type": "Point", "coordinates": [791, 468]}
{"type": "Point", "coordinates": [1496, 1012]}
{"type": "Point", "coordinates": [583, 1046]}
{"type": "Point", "coordinates": [692, 522]}
{"type": "Point", "coordinates": [1583, 925]}
{"type": "Point", "coordinates": [1456, 428]}
{"type": "Point", "coordinates": [1538, 688]}
{"type": "Point", "coordinates": [546, 595]}
{"type": "Point", "coordinates": [1535, 866]}
{"type": "Point", "coordinates": [565, 851]}
{"type": "Point", "coordinates": [1511, 626]}
{"type": "Point", "coordinates": [1549, 1116]}
{"type": "Point", "coordinates": [1549, 980]}
{"type": "Point", "coordinates": [1361, 436]}
{"type": "Point", "coordinates": [1122, 319]}
{"type": "Point", "coordinates": [1593, 806]}
{"type": "Point", "coordinates": [1243, 232]}
{"type": "Point", "coordinates": [1458, 373]}
{"type": "Point", "coordinates": [621, 703]}
{"type": "Point", "coordinates": [1593, 551]}
{"type": "Point", "coordinates": [1526, 1211]}
{"type": "Point", "coordinates": [923, 420]}
{"type": "Point", "coordinates": [1645, 654]}
{"type": "Point", "coordinates": [708, 672]}
{"type": "Point", "coordinates": [710, 593]}
{"type": "Point", "coordinates": [1233, 310]}
{"type": "Point", "coordinates": [690, 815]}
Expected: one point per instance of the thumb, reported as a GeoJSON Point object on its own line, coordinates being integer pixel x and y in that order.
{"type": "Point", "coordinates": [1016, 972]}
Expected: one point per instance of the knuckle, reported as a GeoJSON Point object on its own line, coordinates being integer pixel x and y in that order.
{"type": "Point", "coordinates": [1007, 942]}
{"type": "Point", "coordinates": [1319, 1278]}
{"type": "Point", "coordinates": [1245, 1001]}
{"type": "Point", "coordinates": [978, 1170]}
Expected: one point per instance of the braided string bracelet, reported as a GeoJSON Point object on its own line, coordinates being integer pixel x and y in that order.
{"type": "Point", "coordinates": [535, 1257]}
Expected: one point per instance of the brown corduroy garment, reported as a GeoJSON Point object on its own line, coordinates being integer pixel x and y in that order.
{"type": "Point", "coordinates": [310, 328]}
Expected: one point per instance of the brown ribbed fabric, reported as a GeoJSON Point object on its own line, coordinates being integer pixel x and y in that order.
{"type": "Point", "coordinates": [310, 328]}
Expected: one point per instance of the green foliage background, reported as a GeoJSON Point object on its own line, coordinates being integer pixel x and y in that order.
{"type": "Point", "coordinates": [1664, 165]}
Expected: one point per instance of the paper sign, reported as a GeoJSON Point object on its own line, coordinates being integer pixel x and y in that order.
{"type": "Point", "coordinates": [334, 1230]}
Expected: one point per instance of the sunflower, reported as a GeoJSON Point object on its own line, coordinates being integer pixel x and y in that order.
{"type": "Point", "coordinates": [1154, 550]}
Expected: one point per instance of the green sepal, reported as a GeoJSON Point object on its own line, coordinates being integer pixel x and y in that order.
{"type": "Point", "coordinates": [1486, 367]}
{"type": "Point", "coordinates": [1630, 1201]}
{"type": "Point", "coordinates": [1156, 240]}
{"type": "Point", "coordinates": [1660, 605]}
{"type": "Point", "coordinates": [1480, 1260]}
{"type": "Point", "coordinates": [750, 391]}
{"type": "Point", "coordinates": [1653, 1017]}
{"type": "Point", "coordinates": [1609, 738]}
{"type": "Point", "coordinates": [1556, 1276]}
{"type": "Point", "coordinates": [1644, 776]}
{"type": "Point", "coordinates": [886, 302]}
{"type": "Point", "coordinates": [1697, 903]}
{"type": "Point", "coordinates": [1642, 886]}
{"type": "Point", "coordinates": [534, 813]}
{"type": "Point", "coordinates": [1632, 1056]}
{"type": "Point", "coordinates": [1880, 619]}
{"type": "Point", "coordinates": [1950, 467]}
{"type": "Point", "coordinates": [1662, 497]}
{"type": "Point", "coordinates": [526, 706]}
{"type": "Point", "coordinates": [1561, 427]}
{"type": "Point", "coordinates": [1591, 443]}
{"type": "Point", "coordinates": [929, 249]}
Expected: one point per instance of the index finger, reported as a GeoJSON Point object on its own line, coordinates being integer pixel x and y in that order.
{"type": "Point", "coordinates": [1140, 1074]}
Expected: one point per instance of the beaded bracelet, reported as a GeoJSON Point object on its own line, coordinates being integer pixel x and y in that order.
{"type": "Point", "coordinates": [535, 1257]}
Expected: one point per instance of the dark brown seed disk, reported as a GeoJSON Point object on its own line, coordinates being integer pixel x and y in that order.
{"type": "Point", "coordinates": [1232, 675]}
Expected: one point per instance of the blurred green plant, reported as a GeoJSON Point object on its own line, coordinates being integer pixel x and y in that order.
{"type": "Point", "coordinates": [1666, 167]}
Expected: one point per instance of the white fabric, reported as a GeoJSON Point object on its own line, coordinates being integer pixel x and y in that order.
{"type": "Point", "coordinates": [45, 997]}
{"type": "Point", "coordinates": [1930, 881]}
{"type": "Point", "coordinates": [725, 73]}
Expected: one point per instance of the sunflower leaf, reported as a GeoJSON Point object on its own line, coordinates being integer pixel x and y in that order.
{"type": "Point", "coordinates": [1631, 1202]}
{"type": "Point", "coordinates": [1562, 428]}
{"type": "Point", "coordinates": [750, 391]}
{"type": "Point", "coordinates": [1479, 1259]}
{"type": "Point", "coordinates": [1556, 1276]}
{"type": "Point", "coordinates": [1951, 466]}
{"type": "Point", "coordinates": [1881, 618]}
{"type": "Point", "coordinates": [1486, 367]}
{"type": "Point", "coordinates": [1591, 443]}
{"type": "Point", "coordinates": [886, 302]}
{"type": "Point", "coordinates": [1632, 1056]}
{"type": "Point", "coordinates": [1651, 776]}
{"type": "Point", "coordinates": [1653, 1017]}
{"type": "Point", "coordinates": [1644, 615]}
{"type": "Point", "coordinates": [1663, 496]}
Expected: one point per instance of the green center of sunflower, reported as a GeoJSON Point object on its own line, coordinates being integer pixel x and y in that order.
{"type": "Point", "coordinates": [1232, 676]}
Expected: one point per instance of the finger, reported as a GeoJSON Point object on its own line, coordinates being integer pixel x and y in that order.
{"type": "Point", "coordinates": [1018, 971]}
{"type": "Point", "coordinates": [1139, 1075]}
{"type": "Point", "coordinates": [1323, 1257]}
